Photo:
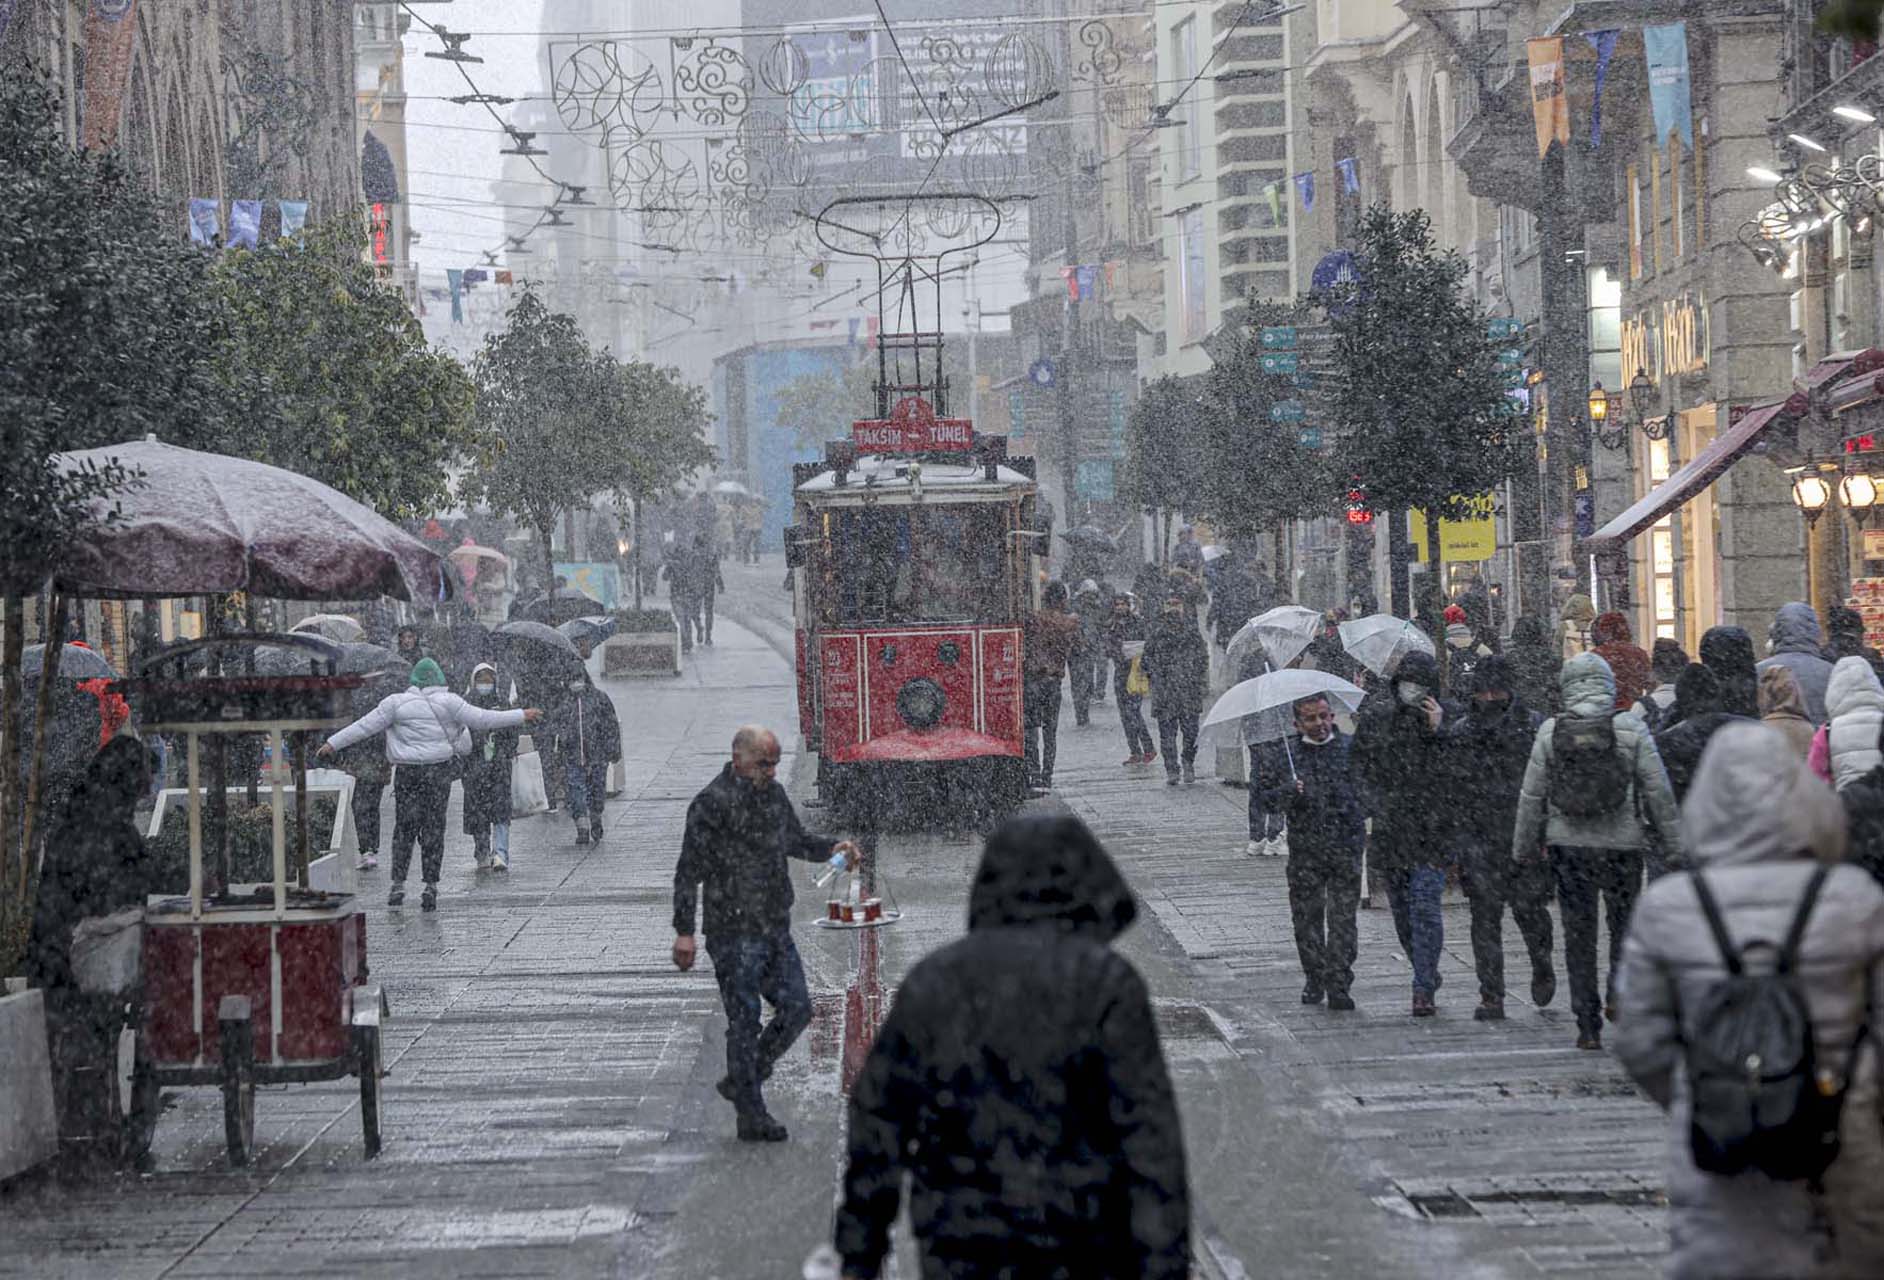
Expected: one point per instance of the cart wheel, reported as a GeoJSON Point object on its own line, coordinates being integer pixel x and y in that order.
{"type": "Point", "coordinates": [238, 1089]}
{"type": "Point", "coordinates": [366, 1055]}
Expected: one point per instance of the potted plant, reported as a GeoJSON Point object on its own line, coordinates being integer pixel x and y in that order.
{"type": "Point", "coordinates": [646, 643]}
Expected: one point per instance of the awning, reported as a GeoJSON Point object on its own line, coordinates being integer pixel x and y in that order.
{"type": "Point", "coordinates": [1694, 476]}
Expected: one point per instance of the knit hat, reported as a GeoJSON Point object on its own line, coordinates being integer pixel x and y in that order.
{"type": "Point", "coordinates": [1454, 613]}
{"type": "Point", "coordinates": [426, 675]}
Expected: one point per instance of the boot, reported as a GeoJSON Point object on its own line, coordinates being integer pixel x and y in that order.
{"type": "Point", "coordinates": [759, 1126]}
{"type": "Point", "coordinates": [1312, 993]}
{"type": "Point", "coordinates": [1489, 1010]}
{"type": "Point", "coordinates": [1190, 774]}
{"type": "Point", "coordinates": [595, 828]}
{"type": "Point", "coordinates": [1423, 1006]}
{"type": "Point", "coordinates": [481, 850]}
{"type": "Point", "coordinates": [582, 832]}
{"type": "Point", "coordinates": [428, 901]}
{"type": "Point", "coordinates": [1340, 1002]}
{"type": "Point", "coordinates": [1543, 985]}
{"type": "Point", "coordinates": [397, 894]}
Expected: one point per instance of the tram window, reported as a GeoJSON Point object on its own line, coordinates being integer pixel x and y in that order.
{"type": "Point", "coordinates": [909, 564]}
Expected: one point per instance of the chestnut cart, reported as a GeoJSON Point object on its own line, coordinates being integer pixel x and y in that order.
{"type": "Point", "coordinates": [246, 984]}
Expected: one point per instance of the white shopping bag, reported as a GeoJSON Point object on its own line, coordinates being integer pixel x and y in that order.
{"type": "Point", "coordinates": [106, 951]}
{"type": "Point", "coordinates": [526, 786]}
{"type": "Point", "coordinates": [617, 779]}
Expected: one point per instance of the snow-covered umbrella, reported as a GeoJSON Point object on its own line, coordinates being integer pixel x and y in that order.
{"type": "Point", "coordinates": [560, 606]}
{"type": "Point", "coordinates": [1263, 709]}
{"type": "Point", "coordinates": [1283, 632]}
{"type": "Point", "coordinates": [1087, 535]}
{"type": "Point", "coordinates": [1380, 640]}
{"type": "Point", "coordinates": [732, 489]}
{"type": "Point", "coordinates": [337, 627]}
{"type": "Point", "coordinates": [594, 629]}
{"type": "Point", "coordinates": [76, 662]}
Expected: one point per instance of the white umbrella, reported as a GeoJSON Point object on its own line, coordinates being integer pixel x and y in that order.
{"type": "Point", "coordinates": [1380, 640]}
{"type": "Point", "coordinates": [337, 627]}
{"type": "Point", "coordinates": [1270, 698]}
{"type": "Point", "coordinates": [732, 488]}
{"type": "Point", "coordinates": [1283, 632]}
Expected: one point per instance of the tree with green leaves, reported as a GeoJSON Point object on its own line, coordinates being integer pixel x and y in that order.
{"type": "Point", "coordinates": [323, 370]}
{"type": "Point", "coordinates": [1420, 400]}
{"type": "Point", "coordinates": [665, 419]}
{"type": "Point", "coordinates": [1164, 466]}
{"type": "Point", "coordinates": [820, 406]}
{"type": "Point", "coordinates": [105, 333]}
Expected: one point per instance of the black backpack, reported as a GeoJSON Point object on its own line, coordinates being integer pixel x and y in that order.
{"type": "Point", "coordinates": [1588, 776]}
{"type": "Point", "coordinates": [1759, 1099]}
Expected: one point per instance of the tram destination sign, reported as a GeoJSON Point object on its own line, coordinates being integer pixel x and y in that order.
{"type": "Point", "coordinates": [913, 427]}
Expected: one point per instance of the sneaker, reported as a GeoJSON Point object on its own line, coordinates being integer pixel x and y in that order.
{"type": "Point", "coordinates": [396, 896]}
{"type": "Point", "coordinates": [1256, 849]}
{"type": "Point", "coordinates": [1275, 846]}
{"type": "Point", "coordinates": [1543, 986]}
{"type": "Point", "coordinates": [1340, 1002]}
{"type": "Point", "coordinates": [582, 834]}
{"type": "Point", "coordinates": [428, 901]}
{"type": "Point", "coordinates": [595, 829]}
{"type": "Point", "coordinates": [1591, 1041]}
{"type": "Point", "coordinates": [1312, 993]}
{"type": "Point", "coordinates": [1148, 757]}
{"type": "Point", "coordinates": [1489, 1011]}
{"type": "Point", "coordinates": [1423, 1006]}
{"type": "Point", "coordinates": [367, 862]}
{"type": "Point", "coordinates": [500, 860]}
{"type": "Point", "coordinates": [1190, 774]}
{"type": "Point", "coordinates": [757, 1126]}
{"type": "Point", "coordinates": [1131, 760]}
{"type": "Point", "coordinates": [483, 862]}
{"type": "Point", "coordinates": [1170, 779]}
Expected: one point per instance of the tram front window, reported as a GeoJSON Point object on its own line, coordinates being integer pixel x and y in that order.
{"type": "Point", "coordinates": [920, 565]}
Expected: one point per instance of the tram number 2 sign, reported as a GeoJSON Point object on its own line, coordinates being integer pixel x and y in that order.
{"type": "Point", "coordinates": [913, 427]}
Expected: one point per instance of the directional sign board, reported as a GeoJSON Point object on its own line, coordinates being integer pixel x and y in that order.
{"type": "Point", "coordinates": [1288, 411]}
{"type": "Point", "coordinates": [1309, 437]}
{"type": "Point", "coordinates": [1281, 362]}
{"type": "Point", "coordinates": [1503, 327]}
{"type": "Point", "coordinates": [1041, 372]}
{"type": "Point", "coordinates": [1279, 337]}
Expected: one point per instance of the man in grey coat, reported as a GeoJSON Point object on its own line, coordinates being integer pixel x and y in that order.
{"type": "Point", "coordinates": [1756, 820]}
{"type": "Point", "coordinates": [1797, 645]}
{"type": "Point", "coordinates": [1594, 856]}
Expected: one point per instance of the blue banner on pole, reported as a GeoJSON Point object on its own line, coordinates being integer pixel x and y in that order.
{"type": "Point", "coordinates": [245, 223]}
{"type": "Point", "coordinates": [1305, 187]}
{"type": "Point", "coordinates": [1666, 48]}
{"type": "Point", "coordinates": [206, 222]}
{"type": "Point", "coordinates": [454, 278]}
{"type": "Point", "coordinates": [1350, 175]}
{"type": "Point", "coordinates": [1604, 42]}
{"type": "Point", "coordinates": [293, 217]}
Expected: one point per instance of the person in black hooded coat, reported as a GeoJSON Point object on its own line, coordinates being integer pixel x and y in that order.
{"type": "Point", "coordinates": [1020, 1083]}
{"type": "Point", "coordinates": [1699, 711]}
{"type": "Point", "coordinates": [1728, 653]}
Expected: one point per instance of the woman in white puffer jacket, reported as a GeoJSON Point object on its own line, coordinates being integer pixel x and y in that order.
{"type": "Point", "coordinates": [1846, 746]}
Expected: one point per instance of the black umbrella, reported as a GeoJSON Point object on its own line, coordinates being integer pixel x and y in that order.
{"type": "Point", "coordinates": [77, 662]}
{"type": "Point", "coordinates": [532, 644]}
{"type": "Point", "coordinates": [561, 605]}
{"type": "Point", "coordinates": [1091, 536]}
{"type": "Point", "coordinates": [594, 630]}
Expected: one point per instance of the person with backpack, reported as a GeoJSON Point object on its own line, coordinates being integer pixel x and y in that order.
{"type": "Point", "coordinates": [1765, 951]}
{"type": "Point", "coordinates": [1666, 663]}
{"type": "Point", "coordinates": [1593, 791]}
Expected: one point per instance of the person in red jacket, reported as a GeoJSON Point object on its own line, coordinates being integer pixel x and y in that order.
{"type": "Point", "coordinates": [113, 711]}
{"type": "Point", "coordinates": [1615, 643]}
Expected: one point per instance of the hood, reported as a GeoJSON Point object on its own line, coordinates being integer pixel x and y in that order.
{"type": "Point", "coordinates": [1610, 628]}
{"type": "Point", "coordinates": [426, 675]}
{"type": "Point", "coordinates": [1755, 800]}
{"type": "Point", "coordinates": [477, 671]}
{"type": "Point", "coordinates": [1844, 624]}
{"type": "Point", "coordinates": [1588, 685]}
{"type": "Point", "coordinates": [1728, 653]}
{"type": "Point", "coordinates": [1697, 693]}
{"type": "Point", "coordinates": [1579, 609]}
{"type": "Point", "coordinates": [1050, 870]}
{"type": "Point", "coordinates": [1780, 694]}
{"type": "Point", "coordinates": [1493, 675]}
{"type": "Point", "coordinates": [1853, 684]}
{"type": "Point", "coordinates": [1420, 668]}
{"type": "Point", "coordinates": [1795, 629]}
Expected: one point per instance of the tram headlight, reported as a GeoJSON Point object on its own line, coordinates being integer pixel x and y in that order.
{"type": "Point", "coordinates": [920, 702]}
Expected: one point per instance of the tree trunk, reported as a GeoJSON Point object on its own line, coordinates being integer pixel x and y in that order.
{"type": "Point", "coordinates": [546, 530]}
{"type": "Point", "coordinates": [55, 647]}
{"type": "Point", "coordinates": [1438, 593]}
{"type": "Point", "coordinates": [1399, 577]}
{"type": "Point", "coordinates": [635, 527]}
{"type": "Point", "coordinates": [15, 645]}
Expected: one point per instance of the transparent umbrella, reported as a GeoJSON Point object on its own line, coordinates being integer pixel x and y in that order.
{"type": "Point", "coordinates": [1380, 640]}
{"type": "Point", "coordinates": [1283, 633]}
{"type": "Point", "coordinates": [332, 626]}
{"type": "Point", "coordinates": [1263, 709]}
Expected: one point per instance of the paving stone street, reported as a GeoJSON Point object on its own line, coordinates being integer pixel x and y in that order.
{"type": "Point", "coordinates": [550, 1108]}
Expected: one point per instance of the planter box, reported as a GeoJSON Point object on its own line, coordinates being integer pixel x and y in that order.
{"type": "Point", "coordinates": [641, 653]}
{"type": "Point", "coordinates": [29, 1124]}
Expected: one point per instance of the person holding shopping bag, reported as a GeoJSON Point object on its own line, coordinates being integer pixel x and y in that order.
{"type": "Point", "coordinates": [427, 728]}
{"type": "Point", "coordinates": [487, 775]}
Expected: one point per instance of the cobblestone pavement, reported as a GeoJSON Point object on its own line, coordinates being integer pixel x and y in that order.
{"type": "Point", "coordinates": [550, 1109]}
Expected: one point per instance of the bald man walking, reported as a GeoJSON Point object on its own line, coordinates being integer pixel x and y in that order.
{"type": "Point", "coordinates": [740, 831]}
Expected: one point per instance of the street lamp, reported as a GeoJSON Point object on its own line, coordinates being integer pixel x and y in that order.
{"type": "Point", "coordinates": [1607, 436]}
{"type": "Point", "coordinates": [1641, 400]}
{"type": "Point", "coordinates": [1857, 493]}
{"type": "Point", "coordinates": [1811, 493]}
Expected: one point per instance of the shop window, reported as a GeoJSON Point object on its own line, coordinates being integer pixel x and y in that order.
{"type": "Point", "coordinates": [1700, 182]}
{"type": "Point", "coordinates": [1677, 196]}
{"type": "Point", "coordinates": [1655, 208]}
{"type": "Point", "coordinates": [1191, 273]}
{"type": "Point", "coordinates": [1664, 592]}
{"type": "Point", "coordinates": [1635, 225]}
{"type": "Point", "coordinates": [1184, 56]}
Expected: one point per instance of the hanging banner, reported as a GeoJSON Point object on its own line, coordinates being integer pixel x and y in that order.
{"type": "Point", "coordinates": [1072, 282]}
{"type": "Point", "coordinates": [1087, 278]}
{"type": "Point", "coordinates": [206, 222]}
{"type": "Point", "coordinates": [293, 217]}
{"type": "Point", "coordinates": [504, 277]}
{"type": "Point", "coordinates": [245, 223]}
{"type": "Point", "coordinates": [1471, 539]}
{"type": "Point", "coordinates": [454, 278]}
{"type": "Point", "coordinates": [1273, 194]}
{"type": "Point", "coordinates": [1604, 42]}
{"type": "Point", "coordinates": [1350, 175]}
{"type": "Point", "coordinates": [1549, 108]}
{"type": "Point", "coordinates": [110, 34]}
{"type": "Point", "coordinates": [1667, 50]}
{"type": "Point", "coordinates": [1305, 187]}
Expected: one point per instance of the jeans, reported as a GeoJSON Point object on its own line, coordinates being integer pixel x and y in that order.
{"type": "Point", "coordinates": [365, 805]}
{"type": "Point", "coordinates": [1170, 725]}
{"type": "Point", "coordinates": [687, 618]}
{"type": "Point", "coordinates": [1491, 882]}
{"type": "Point", "coordinates": [588, 790]}
{"type": "Point", "coordinates": [1131, 715]}
{"type": "Point", "coordinates": [706, 618]}
{"type": "Point", "coordinates": [1425, 887]}
{"type": "Point", "coordinates": [749, 969]}
{"type": "Point", "coordinates": [500, 838]}
{"type": "Point", "coordinates": [1079, 675]}
{"type": "Point", "coordinates": [1585, 876]}
{"type": "Point", "coordinates": [1262, 826]}
{"type": "Point", "coordinates": [420, 793]}
{"type": "Point", "coordinates": [1324, 895]}
{"type": "Point", "coordinates": [1041, 700]}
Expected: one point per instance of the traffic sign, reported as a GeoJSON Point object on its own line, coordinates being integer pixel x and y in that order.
{"type": "Point", "coordinates": [1093, 480]}
{"type": "Point", "coordinates": [1500, 327]}
{"type": "Point", "coordinates": [1279, 337]}
{"type": "Point", "coordinates": [1280, 362]}
{"type": "Point", "coordinates": [1041, 372]}
{"type": "Point", "coordinates": [1016, 415]}
{"type": "Point", "coordinates": [1288, 411]}
{"type": "Point", "coordinates": [1309, 437]}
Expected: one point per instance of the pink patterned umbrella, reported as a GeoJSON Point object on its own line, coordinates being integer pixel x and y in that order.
{"type": "Point", "coordinates": [204, 523]}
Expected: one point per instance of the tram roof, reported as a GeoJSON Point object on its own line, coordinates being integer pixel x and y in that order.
{"type": "Point", "coordinates": [876, 476]}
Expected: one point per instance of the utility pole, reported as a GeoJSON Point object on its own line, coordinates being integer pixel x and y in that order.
{"type": "Point", "coordinates": [1065, 376]}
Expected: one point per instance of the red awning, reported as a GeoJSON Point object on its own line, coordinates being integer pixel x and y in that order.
{"type": "Point", "coordinates": [1694, 476]}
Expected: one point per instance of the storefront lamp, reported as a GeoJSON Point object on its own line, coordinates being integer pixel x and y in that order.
{"type": "Point", "coordinates": [1599, 405]}
{"type": "Point", "coordinates": [1811, 493]}
{"type": "Point", "coordinates": [1857, 493]}
{"type": "Point", "coordinates": [1641, 394]}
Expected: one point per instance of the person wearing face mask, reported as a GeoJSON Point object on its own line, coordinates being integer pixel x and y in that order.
{"type": "Point", "coordinates": [591, 740]}
{"type": "Point", "coordinates": [487, 776]}
{"type": "Point", "coordinates": [1402, 752]}
{"type": "Point", "coordinates": [1311, 783]}
{"type": "Point", "coordinates": [1491, 746]}
{"type": "Point", "coordinates": [740, 830]}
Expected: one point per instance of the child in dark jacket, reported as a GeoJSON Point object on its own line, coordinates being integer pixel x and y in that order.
{"type": "Point", "coordinates": [487, 774]}
{"type": "Point", "coordinates": [591, 741]}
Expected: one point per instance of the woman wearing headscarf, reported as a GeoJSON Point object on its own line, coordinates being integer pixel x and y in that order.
{"type": "Point", "coordinates": [1782, 707]}
{"type": "Point", "coordinates": [1573, 626]}
{"type": "Point", "coordinates": [487, 774]}
{"type": "Point", "coordinates": [1759, 827]}
{"type": "Point", "coordinates": [426, 726]}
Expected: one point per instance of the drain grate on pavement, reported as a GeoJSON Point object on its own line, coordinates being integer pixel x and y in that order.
{"type": "Point", "coordinates": [1544, 1201]}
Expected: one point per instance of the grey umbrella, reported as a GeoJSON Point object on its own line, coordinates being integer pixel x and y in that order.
{"type": "Point", "coordinates": [595, 630]}
{"type": "Point", "coordinates": [76, 662]}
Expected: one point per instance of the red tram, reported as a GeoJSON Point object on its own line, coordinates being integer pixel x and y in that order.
{"type": "Point", "coordinates": [913, 549]}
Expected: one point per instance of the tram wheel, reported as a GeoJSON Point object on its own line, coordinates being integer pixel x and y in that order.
{"type": "Point", "coordinates": [238, 1081]}
{"type": "Point", "coordinates": [366, 1054]}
